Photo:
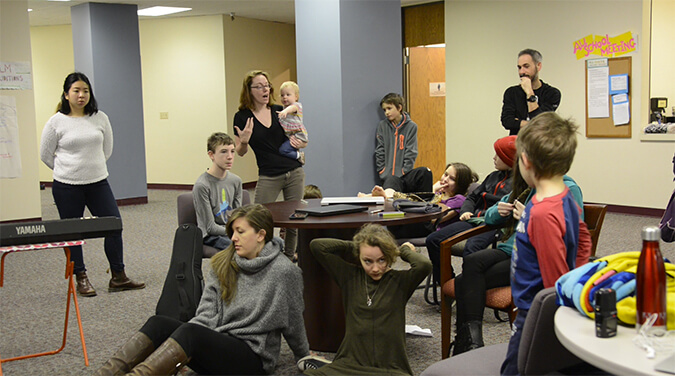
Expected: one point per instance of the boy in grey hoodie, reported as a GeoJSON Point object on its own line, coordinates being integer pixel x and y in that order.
{"type": "Point", "coordinates": [396, 150]}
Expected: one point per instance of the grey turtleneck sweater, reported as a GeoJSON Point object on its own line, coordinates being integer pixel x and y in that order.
{"type": "Point", "coordinates": [268, 303]}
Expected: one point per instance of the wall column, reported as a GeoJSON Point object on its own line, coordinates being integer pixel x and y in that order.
{"type": "Point", "coordinates": [349, 55]}
{"type": "Point", "coordinates": [107, 49]}
{"type": "Point", "coordinates": [20, 196]}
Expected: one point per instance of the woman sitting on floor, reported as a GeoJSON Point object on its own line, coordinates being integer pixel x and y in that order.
{"type": "Point", "coordinates": [374, 298]}
{"type": "Point", "coordinates": [253, 295]}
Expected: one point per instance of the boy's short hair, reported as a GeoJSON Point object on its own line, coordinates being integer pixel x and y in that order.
{"type": "Point", "coordinates": [217, 139]}
{"type": "Point", "coordinates": [312, 191]}
{"type": "Point", "coordinates": [549, 142]}
{"type": "Point", "coordinates": [393, 99]}
{"type": "Point", "coordinates": [292, 85]}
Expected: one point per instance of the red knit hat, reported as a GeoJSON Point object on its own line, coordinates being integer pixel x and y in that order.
{"type": "Point", "coordinates": [506, 149]}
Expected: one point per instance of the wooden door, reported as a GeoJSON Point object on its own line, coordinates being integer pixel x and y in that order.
{"type": "Point", "coordinates": [427, 66]}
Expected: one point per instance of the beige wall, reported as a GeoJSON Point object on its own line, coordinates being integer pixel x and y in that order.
{"type": "Point", "coordinates": [52, 48]}
{"type": "Point", "coordinates": [185, 62]}
{"type": "Point", "coordinates": [183, 70]}
{"type": "Point", "coordinates": [19, 197]}
{"type": "Point", "coordinates": [481, 64]}
{"type": "Point", "coordinates": [663, 51]}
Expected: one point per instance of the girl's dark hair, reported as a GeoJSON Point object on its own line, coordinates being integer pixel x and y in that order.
{"type": "Point", "coordinates": [91, 107]}
{"type": "Point", "coordinates": [464, 177]}
{"type": "Point", "coordinates": [519, 191]}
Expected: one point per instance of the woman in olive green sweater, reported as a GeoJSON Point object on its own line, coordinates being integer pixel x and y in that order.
{"type": "Point", "coordinates": [374, 297]}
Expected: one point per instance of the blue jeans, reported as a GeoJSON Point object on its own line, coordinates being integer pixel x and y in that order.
{"type": "Point", "coordinates": [217, 242]}
{"type": "Point", "coordinates": [98, 198]}
{"type": "Point", "coordinates": [288, 151]}
{"type": "Point", "coordinates": [510, 365]}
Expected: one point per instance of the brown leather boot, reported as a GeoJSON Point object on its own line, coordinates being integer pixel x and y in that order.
{"type": "Point", "coordinates": [134, 351]}
{"type": "Point", "coordinates": [84, 287]}
{"type": "Point", "coordinates": [120, 282]}
{"type": "Point", "coordinates": [168, 359]}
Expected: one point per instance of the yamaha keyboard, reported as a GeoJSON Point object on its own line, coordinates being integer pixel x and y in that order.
{"type": "Point", "coordinates": [58, 230]}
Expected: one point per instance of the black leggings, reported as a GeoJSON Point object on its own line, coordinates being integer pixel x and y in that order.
{"type": "Point", "coordinates": [482, 270]}
{"type": "Point", "coordinates": [212, 353]}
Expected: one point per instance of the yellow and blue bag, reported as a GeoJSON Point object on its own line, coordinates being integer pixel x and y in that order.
{"type": "Point", "coordinates": [577, 288]}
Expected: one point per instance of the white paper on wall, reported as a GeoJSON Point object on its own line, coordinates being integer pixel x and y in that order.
{"type": "Point", "coordinates": [10, 159]}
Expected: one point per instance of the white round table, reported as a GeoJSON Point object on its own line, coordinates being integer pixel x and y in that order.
{"type": "Point", "coordinates": [617, 355]}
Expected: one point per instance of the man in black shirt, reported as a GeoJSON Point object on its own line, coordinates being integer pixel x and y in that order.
{"type": "Point", "coordinates": [532, 97]}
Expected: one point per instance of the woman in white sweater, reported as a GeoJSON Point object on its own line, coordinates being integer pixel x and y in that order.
{"type": "Point", "coordinates": [76, 143]}
{"type": "Point", "coordinates": [253, 295]}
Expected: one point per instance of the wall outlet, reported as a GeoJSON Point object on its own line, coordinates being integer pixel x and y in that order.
{"type": "Point", "coordinates": [163, 115]}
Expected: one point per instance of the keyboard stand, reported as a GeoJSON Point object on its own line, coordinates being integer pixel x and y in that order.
{"type": "Point", "coordinates": [71, 292]}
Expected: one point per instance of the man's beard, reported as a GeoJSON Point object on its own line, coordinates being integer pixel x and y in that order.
{"type": "Point", "coordinates": [532, 78]}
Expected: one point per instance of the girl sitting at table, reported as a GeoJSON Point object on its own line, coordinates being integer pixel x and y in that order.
{"type": "Point", "coordinates": [449, 194]}
{"type": "Point", "coordinates": [374, 296]}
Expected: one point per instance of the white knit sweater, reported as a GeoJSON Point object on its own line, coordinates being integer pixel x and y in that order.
{"type": "Point", "coordinates": [77, 148]}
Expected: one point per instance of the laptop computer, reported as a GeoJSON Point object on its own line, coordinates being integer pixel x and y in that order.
{"type": "Point", "coordinates": [377, 200]}
{"type": "Point", "coordinates": [323, 211]}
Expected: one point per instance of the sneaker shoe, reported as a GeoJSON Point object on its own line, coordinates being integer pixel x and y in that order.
{"type": "Point", "coordinates": [312, 362]}
{"type": "Point", "coordinates": [302, 157]}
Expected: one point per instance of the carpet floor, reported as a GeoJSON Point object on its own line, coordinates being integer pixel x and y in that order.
{"type": "Point", "coordinates": [32, 304]}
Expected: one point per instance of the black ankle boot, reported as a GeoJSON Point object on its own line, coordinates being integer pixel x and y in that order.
{"type": "Point", "coordinates": [469, 336]}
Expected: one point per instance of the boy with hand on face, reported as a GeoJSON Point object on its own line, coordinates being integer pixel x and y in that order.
{"type": "Point", "coordinates": [396, 150]}
{"type": "Point", "coordinates": [217, 191]}
{"type": "Point", "coordinates": [551, 237]}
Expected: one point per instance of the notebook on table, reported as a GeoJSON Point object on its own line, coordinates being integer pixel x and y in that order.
{"type": "Point", "coordinates": [322, 211]}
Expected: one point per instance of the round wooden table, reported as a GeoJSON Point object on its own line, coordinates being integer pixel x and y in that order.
{"type": "Point", "coordinates": [324, 311]}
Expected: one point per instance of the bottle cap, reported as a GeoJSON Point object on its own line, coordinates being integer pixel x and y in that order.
{"type": "Point", "coordinates": [605, 300]}
{"type": "Point", "coordinates": [651, 233]}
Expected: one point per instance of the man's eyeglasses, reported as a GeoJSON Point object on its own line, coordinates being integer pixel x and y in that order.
{"type": "Point", "coordinates": [261, 87]}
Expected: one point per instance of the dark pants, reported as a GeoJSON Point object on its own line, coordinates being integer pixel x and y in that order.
{"type": "Point", "coordinates": [419, 179]}
{"type": "Point", "coordinates": [481, 271]}
{"type": "Point", "coordinates": [212, 353]}
{"type": "Point", "coordinates": [473, 244]}
{"type": "Point", "coordinates": [98, 198]}
{"type": "Point", "coordinates": [510, 365]}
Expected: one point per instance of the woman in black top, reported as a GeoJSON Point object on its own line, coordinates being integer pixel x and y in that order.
{"type": "Point", "coordinates": [257, 124]}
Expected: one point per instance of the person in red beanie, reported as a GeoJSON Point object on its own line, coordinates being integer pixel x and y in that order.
{"type": "Point", "coordinates": [472, 213]}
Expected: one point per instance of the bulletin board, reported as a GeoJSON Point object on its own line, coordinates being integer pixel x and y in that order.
{"type": "Point", "coordinates": [604, 127]}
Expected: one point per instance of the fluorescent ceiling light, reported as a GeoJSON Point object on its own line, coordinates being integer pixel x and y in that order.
{"type": "Point", "coordinates": [30, 10]}
{"type": "Point", "coordinates": [161, 11]}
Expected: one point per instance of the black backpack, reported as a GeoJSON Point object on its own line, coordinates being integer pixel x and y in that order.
{"type": "Point", "coordinates": [184, 282]}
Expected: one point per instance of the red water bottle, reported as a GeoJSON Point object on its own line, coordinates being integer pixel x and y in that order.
{"type": "Point", "coordinates": [651, 282]}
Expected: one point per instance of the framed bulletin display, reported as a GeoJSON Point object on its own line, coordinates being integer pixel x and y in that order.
{"type": "Point", "coordinates": [608, 98]}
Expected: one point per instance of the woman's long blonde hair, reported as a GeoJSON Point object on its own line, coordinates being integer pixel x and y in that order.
{"type": "Point", "coordinates": [223, 264]}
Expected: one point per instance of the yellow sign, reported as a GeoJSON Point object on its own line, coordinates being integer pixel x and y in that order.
{"type": "Point", "coordinates": [605, 46]}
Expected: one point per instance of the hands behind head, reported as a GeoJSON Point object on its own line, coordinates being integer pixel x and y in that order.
{"type": "Point", "coordinates": [411, 247]}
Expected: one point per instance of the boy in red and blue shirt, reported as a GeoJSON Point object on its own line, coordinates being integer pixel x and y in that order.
{"type": "Point", "coordinates": [551, 237]}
